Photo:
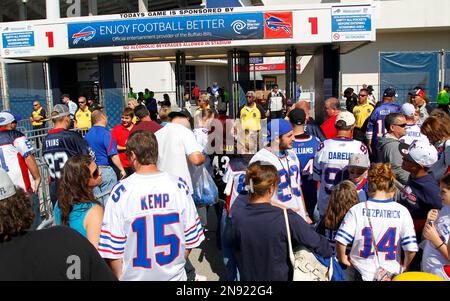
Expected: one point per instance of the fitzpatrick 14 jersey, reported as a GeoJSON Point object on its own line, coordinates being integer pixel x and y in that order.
{"type": "Point", "coordinates": [59, 145]}
{"type": "Point", "coordinates": [14, 148]}
{"type": "Point", "coordinates": [392, 229]}
{"type": "Point", "coordinates": [330, 164]}
{"type": "Point", "coordinates": [289, 181]}
{"type": "Point", "coordinates": [149, 222]}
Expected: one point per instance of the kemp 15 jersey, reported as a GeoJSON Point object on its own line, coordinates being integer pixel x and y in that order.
{"type": "Point", "coordinates": [375, 126]}
{"type": "Point", "coordinates": [392, 228]}
{"type": "Point", "coordinates": [58, 146]}
{"type": "Point", "coordinates": [14, 148]}
{"type": "Point", "coordinates": [149, 222]}
{"type": "Point", "coordinates": [330, 164]}
{"type": "Point", "coordinates": [289, 181]}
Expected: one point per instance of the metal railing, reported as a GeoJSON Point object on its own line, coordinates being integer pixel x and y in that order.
{"type": "Point", "coordinates": [36, 138]}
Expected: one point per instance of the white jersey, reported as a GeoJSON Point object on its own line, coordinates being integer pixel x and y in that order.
{"type": "Point", "coordinates": [432, 259]}
{"type": "Point", "coordinates": [392, 228]}
{"type": "Point", "coordinates": [412, 133]}
{"type": "Point", "coordinates": [14, 148]}
{"type": "Point", "coordinates": [330, 162]}
{"type": "Point", "coordinates": [149, 221]}
{"type": "Point", "coordinates": [289, 179]}
{"type": "Point", "coordinates": [234, 177]}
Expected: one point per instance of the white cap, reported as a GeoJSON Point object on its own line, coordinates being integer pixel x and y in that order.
{"type": "Point", "coordinates": [7, 188]}
{"type": "Point", "coordinates": [421, 152]}
{"type": "Point", "coordinates": [359, 160]}
{"type": "Point", "coordinates": [6, 118]}
{"type": "Point", "coordinates": [408, 109]}
{"type": "Point", "coordinates": [347, 117]}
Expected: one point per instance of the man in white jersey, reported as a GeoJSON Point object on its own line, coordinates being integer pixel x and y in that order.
{"type": "Point", "coordinates": [150, 222]}
{"type": "Point", "coordinates": [333, 156]}
{"type": "Point", "coordinates": [412, 130]}
{"type": "Point", "coordinates": [280, 154]}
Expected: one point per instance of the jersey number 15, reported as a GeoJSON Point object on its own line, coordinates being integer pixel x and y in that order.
{"type": "Point", "coordinates": [139, 226]}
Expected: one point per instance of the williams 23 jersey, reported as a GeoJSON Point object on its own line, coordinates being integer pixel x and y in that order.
{"type": "Point", "coordinates": [149, 222]}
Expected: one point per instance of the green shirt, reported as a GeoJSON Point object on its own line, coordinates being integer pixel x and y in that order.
{"type": "Point", "coordinates": [442, 98]}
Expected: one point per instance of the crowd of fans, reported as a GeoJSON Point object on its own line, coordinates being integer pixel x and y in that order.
{"type": "Point", "coordinates": [370, 186]}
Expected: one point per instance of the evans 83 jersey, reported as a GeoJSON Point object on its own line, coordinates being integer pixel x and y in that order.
{"type": "Point", "coordinates": [149, 222]}
{"type": "Point", "coordinates": [289, 179]}
{"type": "Point", "coordinates": [330, 162]}
{"type": "Point", "coordinates": [392, 228]}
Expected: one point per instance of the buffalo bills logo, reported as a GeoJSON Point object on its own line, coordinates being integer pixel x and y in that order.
{"type": "Point", "coordinates": [275, 23]}
{"type": "Point", "coordinates": [86, 34]}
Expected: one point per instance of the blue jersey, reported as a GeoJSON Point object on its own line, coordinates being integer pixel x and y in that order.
{"type": "Point", "coordinates": [104, 146]}
{"type": "Point", "coordinates": [375, 126]}
{"type": "Point", "coordinates": [305, 146]}
{"type": "Point", "coordinates": [58, 146]}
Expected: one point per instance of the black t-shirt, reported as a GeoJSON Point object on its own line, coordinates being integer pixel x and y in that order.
{"type": "Point", "coordinates": [58, 253]}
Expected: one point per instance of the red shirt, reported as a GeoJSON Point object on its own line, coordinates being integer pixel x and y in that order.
{"type": "Point", "coordinates": [150, 126]}
{"type": "Point", "coordinates": [328, 127]}
{"type": "Point", "coordinates": [196, 91]}
{"type": "Point", "coordinates": [120, 134]}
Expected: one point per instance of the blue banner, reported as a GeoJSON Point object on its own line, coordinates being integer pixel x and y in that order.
{"type": "Point", "coordinates": [240, 26]}
{"type": "Point", "coordinates": [405, 70]}
{"type": "Point", "coordinates": [18, 39]}
{"type": "Point", "coordinates": [223, 3]}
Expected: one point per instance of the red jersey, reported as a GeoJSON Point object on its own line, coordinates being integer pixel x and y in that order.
{"type": "Point", "coordinates": [328, 127]}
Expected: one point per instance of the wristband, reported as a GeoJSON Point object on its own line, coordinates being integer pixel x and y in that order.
{"type": "Point", "coordinates": [440, 245]}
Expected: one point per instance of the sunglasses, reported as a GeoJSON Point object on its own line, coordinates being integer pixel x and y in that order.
{"type": "Point", "coordinates": [362, 95]}
{"type": "Point", "coordinates": [81, 102]}
{"type": "Point", "coordinates": [35, 105]}
{"type": "Point", "coordinates": [95, 174]}
{"type": "Point", "coordinates": [401, 125]}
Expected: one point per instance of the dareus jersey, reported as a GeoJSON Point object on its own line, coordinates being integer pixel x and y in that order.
{"type": "Point", "coordinates": [392, 230]}
{"type": "Point", "coordinates": [14, 148]}
{"type": "Point", "coordinates": [289, 181]}
{"type": "Point", "coordinates": [149, 222]}
{"type": "Point", "coordinates": [58, 146]}
{"type": "Point", "coordinates": [375, 126]}
{"type": "Point", "coordinates": [330, 164]}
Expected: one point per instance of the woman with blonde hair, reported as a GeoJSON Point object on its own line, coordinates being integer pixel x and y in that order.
{"type": "Point", "coordinates": [438, 132]}
{"type": "Point", "coordinates": [259, 234]}
{"type": "Point", "coordinates": [377, 230]}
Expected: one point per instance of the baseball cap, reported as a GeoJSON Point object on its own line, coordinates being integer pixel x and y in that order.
{"type": "Point", "coordinates": [408, 109]}
{"type": "Point", "coordinates": [389, 92]}
{"type": "Point", "coordinates": [6, 118]}
{"type": "Point", "coordinates": [180, 113]}
{"type": "Point", "coordinates": [7, 188]}
{"type": "Point", "coordinates": [277, 128]}
{"type": "Point", "coordinates": [297, 116]}
{"type": "Point", "coordinates": [358, 160]}
{"type": "Point", "coordinates": [418, 92]}
{"type": "Point", "coordinates": [446, 86]}
{"type": "Point", "coordinates": [347, 117]}
{"type": "Point", "coordinates": [61, 110]}
{"type": "Point", "coordinates": [420, 151]}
